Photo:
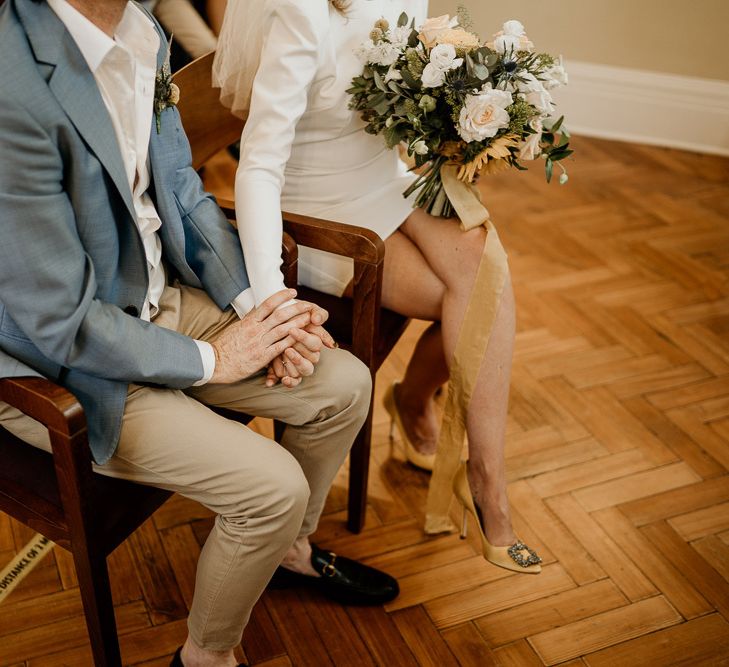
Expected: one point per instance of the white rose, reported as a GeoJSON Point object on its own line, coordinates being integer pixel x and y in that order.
{"type": "Point", "coordinates": [420, 147]}
{"type": "Point", "coordinates": [483, 115]}
{"type": "Point", "coordinates": [444, 58]}
{"type": "Point", "coordinates": [528, 83]}
{"type": "Point", "coordinates": [514, 28]}
{"type": "Point", "coordinates": [541, 100]}
{"type": "Point", "coordinates": [504, 43]}
{"type": "Point", "coordinates": [433, 76]}
{"type": "Point", "coordinates": [533, 91]}
{"type": "Point", "coordinates": [530, 148]}
{"type": "Point", "coordinates": [430, 30]}
{"type": "Point", "coordinates": [556, 76]}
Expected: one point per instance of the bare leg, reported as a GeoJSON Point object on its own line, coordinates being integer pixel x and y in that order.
{"type": "Point", "coordinates": [453, 257]}
{"type": "Point", "coordinates": [406, 274]}
{"type": "Point", "coordinates": [426, 372]}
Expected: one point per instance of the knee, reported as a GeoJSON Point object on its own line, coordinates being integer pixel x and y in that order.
{"type": "Point", "coordinates": [288, 492]}
{"type": "Point", "coordinates": [353, 384]}
{"type": "Point", "coordinates": [279, 497]}
{"type": "Point", "coordinates": [470, 248]}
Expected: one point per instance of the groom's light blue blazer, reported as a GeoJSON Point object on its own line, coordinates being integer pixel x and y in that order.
{"type": "Point", "coordinates": [73, 274]}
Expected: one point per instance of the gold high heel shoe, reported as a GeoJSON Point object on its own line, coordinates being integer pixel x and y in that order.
{"type": "Point", "coordinates": [418, 459]}
{"type": "Point", "coordinates": [518, 557]}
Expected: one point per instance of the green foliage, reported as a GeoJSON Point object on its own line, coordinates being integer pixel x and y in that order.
{"type": "Point", "coordinates": [520, 112]}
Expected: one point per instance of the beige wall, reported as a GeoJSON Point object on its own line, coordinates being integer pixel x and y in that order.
{"type": "Point", "coordinates": [686, 37]}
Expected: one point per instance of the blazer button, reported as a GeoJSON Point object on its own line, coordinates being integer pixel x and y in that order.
{"type": "Point", "coordinates": [132, 310]}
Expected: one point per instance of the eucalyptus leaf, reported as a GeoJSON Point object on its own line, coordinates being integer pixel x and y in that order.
{"type": "Point", "coordinates": [403, 20]}
{"type": "Point", "coordinates": [481, 71]}
{"type": "Point", "coordinates": [379, 82]}
{"type": "Point", "coordinates": [375, 100]}
{"type": "Point", "coordinates": [548, 168]}
{"type": "Point", "coordinates": [409, 79]}
{"type": "Point", "coordinates": [383, 107]}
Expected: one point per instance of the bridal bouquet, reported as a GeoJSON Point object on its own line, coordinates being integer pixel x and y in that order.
{"type": "Point", "coordinates": [462, 107]}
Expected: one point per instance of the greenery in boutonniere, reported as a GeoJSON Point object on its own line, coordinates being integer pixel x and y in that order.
{"type": "Point", "coordinates": [166, 93]}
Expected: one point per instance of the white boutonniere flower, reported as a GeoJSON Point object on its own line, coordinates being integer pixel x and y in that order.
{"type": "Point", "coordinates": [166, 93]}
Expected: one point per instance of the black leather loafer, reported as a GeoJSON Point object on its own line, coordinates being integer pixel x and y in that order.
{"type": "Point", "coordinates": [177, 660]}
{"type": "Point", "coordinates": [342, 579]}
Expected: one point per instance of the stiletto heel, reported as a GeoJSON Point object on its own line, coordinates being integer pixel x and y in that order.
{"type": "Point", "coordinates": [464, 523]}
{"type": "Point", "coordinates": [518, 557]}
{"type": "Point", "coordinates": [419, 460]}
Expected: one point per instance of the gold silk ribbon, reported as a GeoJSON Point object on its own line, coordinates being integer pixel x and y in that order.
{"type": "Point", "coordinates": [473, 340]}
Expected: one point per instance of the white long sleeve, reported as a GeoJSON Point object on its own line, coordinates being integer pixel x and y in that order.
{"type": "Point", "coordinates": [289, 62]}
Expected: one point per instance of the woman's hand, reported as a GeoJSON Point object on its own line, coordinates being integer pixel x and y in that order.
{"type": "Point", "coordinates": [297, 361]}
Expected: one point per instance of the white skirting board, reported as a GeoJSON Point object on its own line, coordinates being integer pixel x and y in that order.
{"type": "Point", "coordinates": [646, 107]}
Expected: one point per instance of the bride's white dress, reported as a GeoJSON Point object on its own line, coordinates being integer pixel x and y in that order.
{"type": "Point", "coordinates": [304, 151]}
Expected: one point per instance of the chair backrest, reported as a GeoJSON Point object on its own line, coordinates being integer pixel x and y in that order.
{"type": "Point", "coordinates": [209, 126]}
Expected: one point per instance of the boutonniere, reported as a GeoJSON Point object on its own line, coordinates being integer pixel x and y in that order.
{"type": "Point", "coordinates": [166, 93]}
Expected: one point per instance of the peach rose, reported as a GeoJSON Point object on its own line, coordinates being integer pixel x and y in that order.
{"type": "Point", "coordinates": [432, 28]}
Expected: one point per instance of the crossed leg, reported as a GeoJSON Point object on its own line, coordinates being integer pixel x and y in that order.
{"type": "Point", "coordinates": [430, 268]}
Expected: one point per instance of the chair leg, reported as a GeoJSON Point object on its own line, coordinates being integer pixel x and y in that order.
{"type": "Point", "coordinates": [359, 469]}
{"type": "Point", "coordinates": [278, 430]}
{"type": "Point", "coordinates": [93, 577]}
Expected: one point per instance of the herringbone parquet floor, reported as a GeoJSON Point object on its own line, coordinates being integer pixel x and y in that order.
{"type": "Point", "coordinates": [618, 451]}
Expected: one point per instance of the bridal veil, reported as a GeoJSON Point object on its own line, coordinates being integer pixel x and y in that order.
{"type": "Point", "coordinates": [239, 51]}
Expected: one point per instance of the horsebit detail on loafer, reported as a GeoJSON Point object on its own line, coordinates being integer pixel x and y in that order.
{"type": "Point", "coordinates": [329, 570]}
{"type": "Point", "coordinates": [515, 551]}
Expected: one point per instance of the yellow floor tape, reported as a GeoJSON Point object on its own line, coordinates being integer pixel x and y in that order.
{"type": "Point", "coordinates": [23, 564]}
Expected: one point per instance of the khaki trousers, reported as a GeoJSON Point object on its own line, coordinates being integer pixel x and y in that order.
{"type": "Point", "coordinates": [265, 495]}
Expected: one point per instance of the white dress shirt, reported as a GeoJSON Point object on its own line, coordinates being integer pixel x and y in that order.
{"type": "Point", "coordinates": [124, 68]}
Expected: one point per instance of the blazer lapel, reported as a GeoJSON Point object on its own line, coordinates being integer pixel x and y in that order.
{"type": "Point", "coordinates": [75, 88]}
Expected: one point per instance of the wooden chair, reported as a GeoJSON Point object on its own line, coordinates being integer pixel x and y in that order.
{"type": "Point", "coordinates": [357, 324]}
{"type": "Point", "coordinates": [60, 497]}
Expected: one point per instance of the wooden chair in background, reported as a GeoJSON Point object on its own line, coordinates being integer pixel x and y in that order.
{"type": "Point", "coordinates": [358, 323]}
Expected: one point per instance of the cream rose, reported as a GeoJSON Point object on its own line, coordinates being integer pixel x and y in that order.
{"type": "Point", "coordinates": [459, 38]}
{"type": "Point", "coordinates": [530, 148]}
{"type": "Point", "coordinates": [483, 115]}
{"type": "Point", "coordinates": [430, 30]}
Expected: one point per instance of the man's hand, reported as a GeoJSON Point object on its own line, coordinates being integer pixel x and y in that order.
{"type": "Point", "coordinates": [249, 345]}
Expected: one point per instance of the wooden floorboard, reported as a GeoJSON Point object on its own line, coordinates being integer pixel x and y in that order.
{"type": "Point", "coordinates": [617, 457]}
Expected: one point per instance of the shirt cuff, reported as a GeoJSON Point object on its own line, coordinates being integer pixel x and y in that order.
{"type": "Point", "coordinates": [207, 355]}
{"type": "Point", "coordinates": [244, 303]}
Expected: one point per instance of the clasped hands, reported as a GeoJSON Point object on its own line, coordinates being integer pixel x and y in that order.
{"type": "Point", "coordinates": [285, 339]}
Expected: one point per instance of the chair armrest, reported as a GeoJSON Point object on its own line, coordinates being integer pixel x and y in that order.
{"type": "Point", "coordinates": [59, 411]}
{"type": "Point", "coordinates": [46, 402]}
{"type": "Point", "coordinates": [362, 245]}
